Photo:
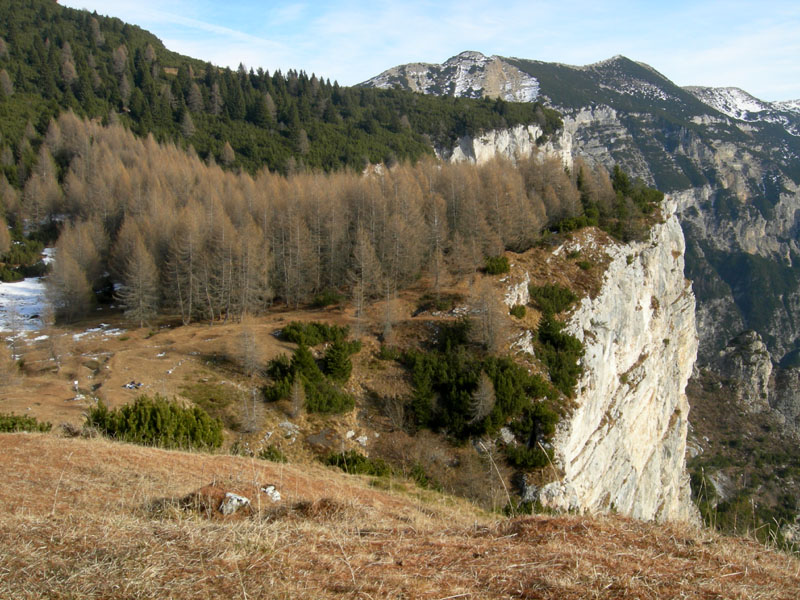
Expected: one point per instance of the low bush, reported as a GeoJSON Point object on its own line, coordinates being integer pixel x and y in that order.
{"type": "Point", "coordinates": [324, 397]}
{"type": "Point", "coordinates": [388, 353]}
{"type": "Point", "coordinates": [496, 265]}
{"type": "Point", "coordinates": [272, 453]}
{"type": "Point", "coordinates": [336, 364]}
{"type": "Point", "coordinates": [158, 422]}
{"type": "Point", "coordinates": [357, 464]}
{"type": "Point", "coordinates": [442, 303]}
{"type": "Point", "coordinates": [560, 353]}
{"type": "Point", "coordinates": [418, 475]}
{"type": "Point", "coordinates": [313, 333]}
{"type": "Point", "coordinates": [321, 394]}
{"type": "Point", "coordinates": [551, 297]}
{"type": "Point", "coordinates": [517, 311]}
{"type": "Point", "coordinates": [523, 457]}
{"type": "Point", "coordinates": [328, 297]}
{"type": "Point", "coordinates": [10, 275]}
{"type": "Point", "coordinates": [17, 423]}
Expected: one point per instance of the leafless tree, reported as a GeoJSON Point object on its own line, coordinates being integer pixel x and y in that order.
{"type": "Point", "coordinates": [489, 317]}
{"type": "Point", "coordinates": [483, 399]}
{"type": "Point", "coordinates": [138, 295]}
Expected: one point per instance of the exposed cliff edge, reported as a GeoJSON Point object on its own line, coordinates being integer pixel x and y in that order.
{"type": "Point", "coordinates": [622, 448]}
{"type": "Point", "coordinates": [513, 143]}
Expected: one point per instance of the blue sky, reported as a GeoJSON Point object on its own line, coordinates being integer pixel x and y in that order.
{"type": "Point", "coordinates": [751, 45]}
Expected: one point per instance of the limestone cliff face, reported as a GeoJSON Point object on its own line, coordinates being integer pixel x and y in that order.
{"type": "Point", "coordinates": [513, 143]}
{"type": "Point", "coordinates": [623, 447]}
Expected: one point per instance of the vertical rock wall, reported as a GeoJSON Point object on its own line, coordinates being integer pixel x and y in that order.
{"type": "Point", "coordinates": [623, 447]}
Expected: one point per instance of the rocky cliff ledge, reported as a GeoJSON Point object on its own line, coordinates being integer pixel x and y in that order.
{"type": "Point", "coordinates": [622, 449]}
{"type": "Point", "coordinates": [516, 142]}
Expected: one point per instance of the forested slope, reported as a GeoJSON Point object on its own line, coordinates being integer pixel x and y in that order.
{"type": "Point", "coordinates": [210, 244]}
{"type": "Point", "coordinates": [53, 58]}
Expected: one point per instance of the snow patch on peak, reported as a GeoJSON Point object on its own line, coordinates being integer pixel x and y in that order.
{"type": "Point", "coordinates": [731, 101]}
{"type": "Point", "coordinates": [788, 105]}
{"type": "Point", "coordinates": [469, 74]}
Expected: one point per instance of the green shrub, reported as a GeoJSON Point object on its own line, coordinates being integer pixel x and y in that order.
{"type": "Point", "coordinates": [357, 464]}
{"type": "Point", "coordinates": [496, 265]}
{"type": "Point", "coordinates": [551, 297]}
{"type": "Point", "coordinates": [15, 423]}
{"type": "Point", "coordinates": [584, 264]}
{"type": "Point", "coordinates": [536, 423]}
{"type": "Point", "coordinates": [10, 275]}
{"type": "Point", "coordinates": [313, 333]}
{"type": "Point", "coordinates": [559, 352]}
{"type": "Point", "coordinates": [23, 252]}
{"type": "Point", "coordinates": [322, 396]}
{"type": "Point", "coordinates": [517, 311]}
{"type": "Point", "coordinates": [388, 353]}
{"type": "Point", "coordinates": [523, 457]}
{"type": "Point", "coordinates": [336, 363]}
{"type": "Point", "coordinates": [444, 303]}
{"type": "Point", "coordinates": [444, 383]}
{"type": "Point", "coordinates": [158, 422]}
{"type": "Point", "coordinates": [272, 453]}
{"type": "Point", "coordinates": [327, 297]}
{"type": "Point", "coordinates": [421, 478]}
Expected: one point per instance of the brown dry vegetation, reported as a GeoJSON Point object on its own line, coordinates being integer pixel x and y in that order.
{"type": "Point", "coordinates": [94, 519]}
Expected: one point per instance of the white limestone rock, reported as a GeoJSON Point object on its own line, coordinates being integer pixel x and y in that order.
{"type": "Point", "coordinates": [623, 447]}
{"type": "Point", "coordinates": [233, 503]}
{"type": "Point", "coordinates": [514, 143]}
{"type": "Point", "coordinates": [272, 493]}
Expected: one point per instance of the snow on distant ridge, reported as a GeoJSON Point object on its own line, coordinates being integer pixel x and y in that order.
{"type": "Point", "coordinates": [731, 101]}
{"type": "Point", "coordinates": [740, 105]}
{"type": "Point", "coordinates": [788, 105]}
{"type": "Point", "coordinates": [469, 74]}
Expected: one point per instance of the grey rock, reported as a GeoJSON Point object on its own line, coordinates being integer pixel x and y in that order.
{"type": "Point", "coordinates": [233, 503]}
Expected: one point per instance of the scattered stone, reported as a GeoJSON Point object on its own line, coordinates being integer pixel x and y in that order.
{"type": "Point", "coordinates": [507, 436]}
{"type": "Point", "coordinates": [232, 503]}
{"type": "Point", "coordinates": [272, 492]}
{"type": "Point", "coordinates": [349, 435]}
{"type": "Point", "coordinates": [290, 429]}
{"type": "Point", "coordinates": [362, 440]}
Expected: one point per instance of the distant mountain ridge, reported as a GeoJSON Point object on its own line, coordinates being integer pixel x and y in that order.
{"type": "Point", "coordinates": [730, 159]}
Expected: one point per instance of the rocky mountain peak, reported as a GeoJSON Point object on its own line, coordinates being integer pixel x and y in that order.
{"type": "Point", "coordinates": [469, 74]}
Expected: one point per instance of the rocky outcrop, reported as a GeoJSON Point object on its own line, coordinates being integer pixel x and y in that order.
{"type": "Point", "coordinates": [785, 399]}
{"type": "Point", "coordinates": [518, 142]}
{"type": "Point", "coordinates": [746, 362]}
{"type": "Point", "coordinates": [622, 448]}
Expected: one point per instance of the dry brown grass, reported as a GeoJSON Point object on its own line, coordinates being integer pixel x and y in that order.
{"type": "Point", "coordinates": [94, 519]}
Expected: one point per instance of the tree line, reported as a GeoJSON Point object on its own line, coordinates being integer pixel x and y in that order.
{"type": "Point", "coordinates": [157, 229]}
{"type": "Point", "coordinates": [54, 58]}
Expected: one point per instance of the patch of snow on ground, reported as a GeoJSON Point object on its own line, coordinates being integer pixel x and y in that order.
{"type": "Point", "coordinates": [102, 328]}
{"type": "Point", "coordinates": [49, 255]}
{"type": "Point", "coordinates": [21, 304]}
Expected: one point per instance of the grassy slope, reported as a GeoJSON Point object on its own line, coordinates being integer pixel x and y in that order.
{"type": "Point", "coordinates": [79, 523]}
